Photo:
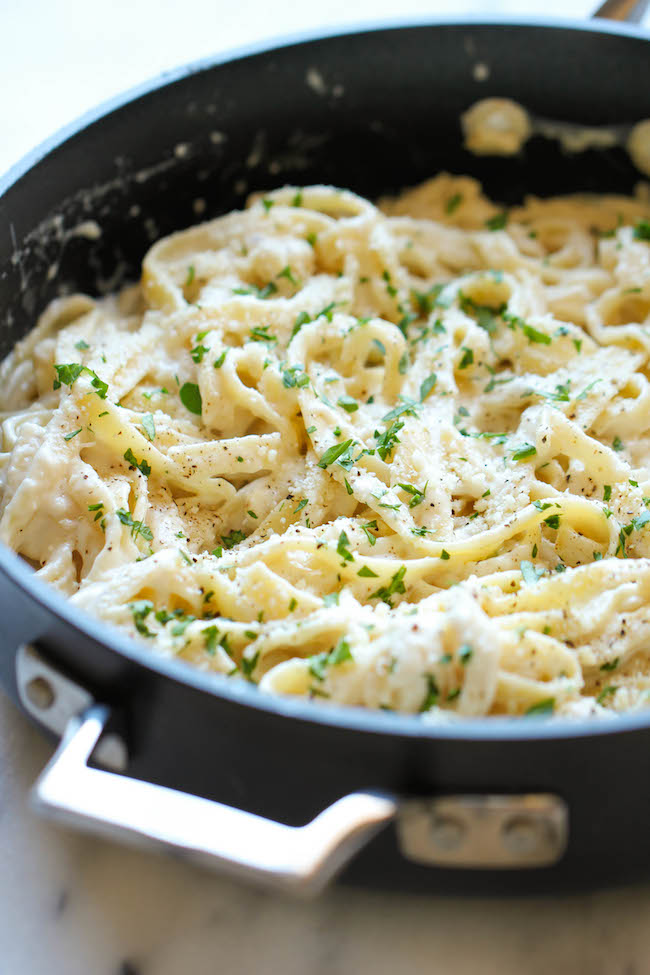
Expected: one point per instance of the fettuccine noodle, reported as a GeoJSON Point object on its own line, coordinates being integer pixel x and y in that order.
{"type": "Point", "coordinates": [395, 457]}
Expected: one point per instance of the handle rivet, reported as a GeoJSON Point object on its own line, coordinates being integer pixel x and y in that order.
{"type": "Point", "coordinates": [447, 833]}
{"type": "Point", "coordinates": [525, 835]}
{"type": "Point", "coordinates": [41, 693]}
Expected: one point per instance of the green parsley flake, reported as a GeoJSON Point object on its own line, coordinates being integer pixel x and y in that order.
{"type": "Point", "coordinates": [367, 573]}
{"type": "Point", "coordinates": [74, 433]}
{"type": "Point", "coordinates": [395, 586]}
{"type": "Point", "coordinates": [453, 203]}
{"type": "Point", "coordinates": [542, 708]}
{"type": "Point", "coordinates": [333, 453]}
{"type": "Point", "coordinates": [427, 386]}
{"type": "Point", "coordinates": [497, 222]}
{"type": "Point", "coordinates": [287, 273]}
{"type": "Point", "coordinates": [137, 527]}
{"type": "Point", "coordinates": [149, 426]}
{"type": "Point", "coordinates": [467, 358]}
{"type": "Point", "coordinates": [606, 691]}
{"type": "Point", "coordinates": [320, 662]}
{"type": "Point", "coordinates": [526, 450]}
{"type": "Point", "coordinates": [68, 373]}
{"type": "Point", "coordinates": [190, 395]}
{"type": "Point", "coordinates": [233, 538]}
{"type": "Point", "coordinates": [611, 664]}
{"type": "Point", "coordinates": [432, 695]}
{"type": "Point", "coordinates": [642, 230]}
{"type": "Point", "coordinates": [141, 465]}
{"type": "Point", "coordinates": [343, 549]}
{"type": "Point", "coordinates": [349, 404]}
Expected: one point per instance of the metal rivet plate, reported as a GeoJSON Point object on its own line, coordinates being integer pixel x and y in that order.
{"type": "Point", "coordinates": [484, 831]}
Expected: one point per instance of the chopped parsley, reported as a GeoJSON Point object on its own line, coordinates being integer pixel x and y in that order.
{"type": "Point", "coordinates": [301, 504]}
{"type": "Point", "coordinates": [198, 352]}
{"type": "Point", "coordinates": [141, 465]}
{"type": "Point", "coordinates": [69, 436]}
{"type": "Point", "coordinates": [248, 664]}
{"type": "Point", "coordinates": [233, 538]}
{"type": "Point", "coordinates": [417, 495]}
{"type": "Point", "coordinates": [190, 395]}
{"type": "Point", "coordinates": [349, 404]}
{"type": "Point", "coordinates": [606, 692]}
{"type": "Point", "coordinates": [618, 444]}
{"type": "Point", "coordinates": [386, 441]}
{"type": "Point", "coordinates": [261, 334]}
{"type": "Point", "coordinates": [427, 386]}
{"type": "Point", "coordinates": [220, 360]}
{"type": "Point", "coordinates": [542, 708]}
{"type": "Point", "coordinates": [642, 230]}
{"type": "Point", "coordinates": [432, 694]}
{"type": "Point", "coordinates": [319, 663]}
{"type": "Point", "coordinates": [287, 273]}
{"type": "Point", "coordinates": [395, 586]}
{"type": "Point", "coordinates": [140, 610]}
{"type": "Point", "coordinates": [366, 529]}
{"type": "Point", "coordinates": [453, 203]}
{"type": "Point", "coordinates": [149, 426]}
{"type": "Point", "coordinates": [68, 373]}
{"type": "Point", "coordinates": [465, 653]}
{"type": "Point", "coordinates": [467, 358]}
{"type": "Point", "coordinates": [526, 450]}
{"type": "Point", "coordinates": [343, 549]}
{"type": "Point", "coordinates": [367, 573]}
{"type": "Point", "coordinates": [611, 664]}
{"type": "Point", "coordinates": [497, 222]}
{"type": "Point", "coordinates": [294, 376]}
{"type": "Point", "coordinates": [333, 453]}
{"type": "Point", "coordinates": [137, 527]}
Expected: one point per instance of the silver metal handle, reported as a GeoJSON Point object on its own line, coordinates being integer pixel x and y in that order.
{"type": "Point", "coordinates": [298, 859]}
{"type": "Point", "coordinates": [631, 11]}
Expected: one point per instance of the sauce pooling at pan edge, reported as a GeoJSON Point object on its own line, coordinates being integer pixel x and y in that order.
{"type": "Point", "coordinates": [391, 456]}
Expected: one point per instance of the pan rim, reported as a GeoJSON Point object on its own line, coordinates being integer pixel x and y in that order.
{"type": "Point", "coordinates": [241, 693]}
{"type": "Point", "coordinates": [164, 79]}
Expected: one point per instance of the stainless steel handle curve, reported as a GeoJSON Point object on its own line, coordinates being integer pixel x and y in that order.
{"type": "Point", "coordinates": [632, 11]}
{"type": "Point", "coordinates": [297, 859]}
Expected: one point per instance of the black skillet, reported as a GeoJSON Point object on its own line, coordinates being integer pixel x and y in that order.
{"type": "Point", "coordinates": [495, 805]}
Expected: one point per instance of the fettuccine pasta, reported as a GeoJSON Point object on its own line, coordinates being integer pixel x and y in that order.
{"type": "Point", "coordinates": [391, 456]}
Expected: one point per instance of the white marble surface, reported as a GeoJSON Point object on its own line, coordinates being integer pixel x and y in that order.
{"type": "Point", "coordinates": [70, 905]}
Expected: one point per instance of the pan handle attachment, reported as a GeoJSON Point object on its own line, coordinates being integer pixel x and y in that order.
{"type": "Point", "coordinates": [632, 11]}
{"type": "Point", "coordinates": [300, 860]}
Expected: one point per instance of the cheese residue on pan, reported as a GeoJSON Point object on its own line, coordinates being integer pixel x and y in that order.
{"type": "Point", "coordinates": [395, 457]}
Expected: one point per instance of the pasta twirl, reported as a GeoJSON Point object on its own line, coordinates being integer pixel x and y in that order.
{"type": "Point", "coordinates": [391, 456]}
